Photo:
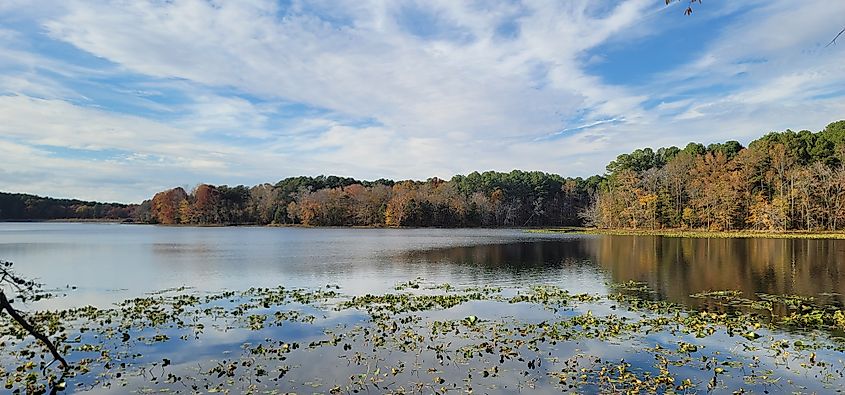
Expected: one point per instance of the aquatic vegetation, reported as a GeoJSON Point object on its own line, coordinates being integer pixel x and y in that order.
{"type": "Point", "coordinates": [433, 338]}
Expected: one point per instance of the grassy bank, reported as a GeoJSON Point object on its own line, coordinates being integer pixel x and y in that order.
{"type": "Point", "coordinates": [706, 234]}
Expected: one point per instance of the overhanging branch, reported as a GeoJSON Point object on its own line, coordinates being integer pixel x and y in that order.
{"type": "Point", "coordinates": [835, 38]}
{"type": "Point", "coordinates": [6, 305]}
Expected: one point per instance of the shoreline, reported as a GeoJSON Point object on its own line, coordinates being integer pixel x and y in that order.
{"type": "Point", "coordinates": [674, 233]}
{"type": "Point", "coordinates": [73, 220]}
{"type": "Point", "coordinates": [253, 225]}
{"type": "Point", "coordinates": [697, 234]}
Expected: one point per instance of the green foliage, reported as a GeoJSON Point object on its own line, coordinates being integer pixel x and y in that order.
{"type": "Point", "coordinates": [729, 148]}
{"type": "Point", "coordinates": [695, 149]}
{"type": "Point", "coordinates": [517, 198]}
{"type": "Point", "coordinates": [639, 160]}
{"type": "Point", "coordinates": [19, 206]}
{"type": "Point", "coordinates": [782, 181]}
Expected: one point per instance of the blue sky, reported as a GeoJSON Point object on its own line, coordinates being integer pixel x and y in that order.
{"type": "Point", "coordinates": [114, 100]}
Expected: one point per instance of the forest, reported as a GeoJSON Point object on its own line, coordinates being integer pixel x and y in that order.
{"type": "Point", "coordinates": [478, 199]}
{"type": "Point", "coordinates": [781, 181]}
{"type": "Point", "coordinates": [24, 207]}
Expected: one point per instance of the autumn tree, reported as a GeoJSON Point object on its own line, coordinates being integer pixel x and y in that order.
{"type": "Point", "coordinates": [206, 201]}
{"type": "Point", "coordinates": [263, 203]}
{"type": "Point", "coordinates": [165, 205]}
{"type": "Point", "coordinates": [781, 181]}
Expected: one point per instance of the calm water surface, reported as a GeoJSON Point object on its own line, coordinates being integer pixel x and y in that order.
{"type": "Point", "coordinates": [110, 262]}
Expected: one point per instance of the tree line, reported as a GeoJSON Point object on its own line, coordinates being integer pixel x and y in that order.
{"type": "Point", "coordinates": [20, 206]}
{"type": "Point", "coordinates": [781, 181]}
{"type": "Point", "coordinates": [490, 199]}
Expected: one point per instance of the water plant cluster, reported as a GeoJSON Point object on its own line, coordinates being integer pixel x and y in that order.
{"type": "Point", "coordinates": [425, 337]}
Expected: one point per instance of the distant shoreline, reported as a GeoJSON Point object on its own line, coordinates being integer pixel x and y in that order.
{"type": "Point", "coordinates": [697, 234]}
{"type": "Point", "coordinates": [675, 233]}
{"type": "Point", "coordinates": [528, 229]}
{"type": "Point", "coordinates": [92, 220]}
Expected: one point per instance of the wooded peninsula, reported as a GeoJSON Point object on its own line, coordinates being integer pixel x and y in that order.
{"type": "Point", "coordinates": [782, 181]}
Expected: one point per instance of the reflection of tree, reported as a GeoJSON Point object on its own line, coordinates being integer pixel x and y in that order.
{"type": "Point", "coordinates": [678, 267]}
{"type": "Point", "coordinates": [513, 255]}
{"type": "Point", "coordinates": [673, 267]}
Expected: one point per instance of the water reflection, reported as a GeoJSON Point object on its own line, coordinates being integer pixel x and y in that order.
{"type": "Point", "coordinates": [674, 267]}
{"type": "Point", "coordinates": [134, 259]}
{"type": "Point", "coordinates": [563, 262]}
{"type": "Point", "coordinates": [678, 267]}
{"type": "Point", "coordinates": [110, 262]}
{"type": "Point", "coordinates": [514, 257]}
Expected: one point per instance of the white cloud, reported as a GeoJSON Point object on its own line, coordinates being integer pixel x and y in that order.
{"type": "Point", "coordinates": [371, 69]}
{"type": "Point", "coordinates": [246, 92]}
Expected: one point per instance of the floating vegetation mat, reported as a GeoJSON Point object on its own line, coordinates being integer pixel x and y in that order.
{"type": "Point", "coordinates": [425, 338]}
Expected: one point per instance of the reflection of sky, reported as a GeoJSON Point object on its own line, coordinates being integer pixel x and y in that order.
{"type": "Point", "coordinates": [109, 262]}
{"type": "Point", "coordinates": [329, 365]}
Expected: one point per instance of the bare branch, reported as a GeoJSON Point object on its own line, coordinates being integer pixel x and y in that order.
{"type": "Point", "coordinates": [834, 39]}
{"type": "Point", "coordinates": [5, 305]}
{"type": "Point", "coordinates": [688, 10]}
{"type": "Point", "coordinates": [25, 290]}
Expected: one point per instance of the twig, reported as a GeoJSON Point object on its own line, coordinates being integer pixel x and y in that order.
{"type": "Point", "coordinates": [834, 39]}
{"type": "Point", "coordinates": [4, 304]}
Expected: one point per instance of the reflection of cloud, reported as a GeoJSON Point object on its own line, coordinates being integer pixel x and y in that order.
{"type": "Point", "coordinates": [102, 258]}
{"type": "Point", "coordinates": [99, 258]}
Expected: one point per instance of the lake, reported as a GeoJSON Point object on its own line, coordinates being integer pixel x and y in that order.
{"type": "Point", "coordinates": [110, 262]}
{"type": "Point", "coordinates": [501, 309]}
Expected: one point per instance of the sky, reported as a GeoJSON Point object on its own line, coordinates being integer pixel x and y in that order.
{"type": "Point", "coordinates": [117, 100]}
